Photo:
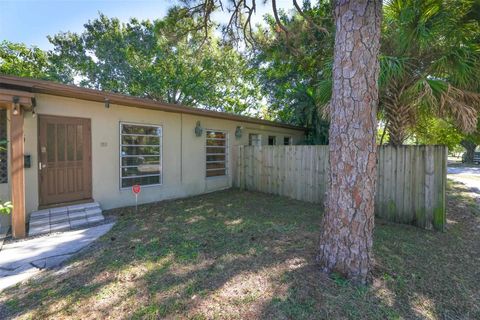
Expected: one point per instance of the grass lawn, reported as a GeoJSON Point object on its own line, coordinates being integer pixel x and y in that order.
{"type": "Point", "coordinates": [244, 255]}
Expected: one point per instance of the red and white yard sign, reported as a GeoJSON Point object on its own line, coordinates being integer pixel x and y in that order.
{"type": "Point", "coordinates": [136, 190]}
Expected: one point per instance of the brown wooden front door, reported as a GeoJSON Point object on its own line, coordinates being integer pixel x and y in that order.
{"type": "Point", "coordinates": [65, 167]}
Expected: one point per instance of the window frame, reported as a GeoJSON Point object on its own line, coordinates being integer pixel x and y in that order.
{"type": "Point", "coordinates": [227, 153]}
{"type": "Point", "coordinates": [120, 156]}
{"type": "Point", "coordinates": [259, 139]}
{"type": "Point", "coordinates": [274, 138]}
{"type": "Point", "coordinates": [290, 140]}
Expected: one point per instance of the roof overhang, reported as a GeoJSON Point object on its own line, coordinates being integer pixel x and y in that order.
{"type": "Point", "coordinates": [48, 87]}
{"type": "Point", "coordinates": [10, 98]}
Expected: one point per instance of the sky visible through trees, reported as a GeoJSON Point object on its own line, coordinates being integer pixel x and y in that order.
{"type": "Point", "coordinates": [277, 77]}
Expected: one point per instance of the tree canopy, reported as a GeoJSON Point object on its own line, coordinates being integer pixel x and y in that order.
{"type": "Point", "coordinates": [291, 69]}
{"type": "Point", "coordinates": [430, 63]}
{"type": "Point", "coordinates": [17, 59]}
{"type": "Point", "coordinates": [166, 59]}
{"type": "Point", "coordinates": [162, 60]}
{"type": "Point", "coordinates": [430, 57]}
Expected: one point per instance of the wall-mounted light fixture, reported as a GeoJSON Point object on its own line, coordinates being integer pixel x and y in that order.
{"type": "Point", "coordinates": [198, 129]}
{"type": "Point", "coordinates": [16, 106]}
{"type": "Point", "coordinates": [238, 132]}
{"type": "Point", "coordinates": [107, 103]}
{"type": "Point", "coordinates": [34, 107]}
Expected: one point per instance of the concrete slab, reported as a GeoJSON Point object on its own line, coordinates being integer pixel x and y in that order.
{"type": "Point", "coordinates": [91, 205]}
{"type": "Point", "coordinates": [94, 211]}
{"type": "Point", "coordinates": [39, 221]}
{"type": "Point", "coordinates": [78, 222]}
{"type": "Point", "coordinates": [50, 263]}
{"type": "Point", "coordinates": [58, 217]}
{"type": "Point", "coordinates": [22, 259]}
{"type": "Point", "coordinates": [58, 210]}
{"type": "Point", "coordinates": [76, 215]}
{"type": "Point", "coordinates": [83, 206]}
{"type": "Point", "coordinates": [12, 279]}
{"type": "Point", "coordinates": [64, 218]}
{"type": "Point", "coordinates": [40, 214]}
{"type": "Point", "coordinates": [35, 230]}
{"type": "Point", "coordinates": [95, 218]}
{"type": "Point", "coordinates": [61, 226]}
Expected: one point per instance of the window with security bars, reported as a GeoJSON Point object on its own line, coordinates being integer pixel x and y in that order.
{"type": "Point", "coordinates": [3, 147]}
{"type": "Point", "coordinates": [216, 150]}
{"type": "Point", "coordinates": [140, 154]}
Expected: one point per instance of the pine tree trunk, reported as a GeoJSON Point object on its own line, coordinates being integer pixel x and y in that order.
{"type": "Point", "coordinates": [346, 236]}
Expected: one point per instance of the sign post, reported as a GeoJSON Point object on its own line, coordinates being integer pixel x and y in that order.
{"type": "Point", "coordinates": [136, 190]}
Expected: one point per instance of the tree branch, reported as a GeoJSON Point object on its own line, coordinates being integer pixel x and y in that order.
{"type": "Point", "coordinates": [277, 18]}
{"type": "Point", "coordinates": [248, 23]}
{"type": "Point", "coordinates": [308, 19]}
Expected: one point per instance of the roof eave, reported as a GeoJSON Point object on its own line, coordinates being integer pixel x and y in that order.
{"type": "Point", "coordinates": [71, 91]}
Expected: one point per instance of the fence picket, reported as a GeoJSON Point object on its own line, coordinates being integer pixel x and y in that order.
{"type": "Point", "coordinates": [410, 183]}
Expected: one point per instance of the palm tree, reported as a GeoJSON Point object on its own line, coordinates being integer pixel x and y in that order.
{"type": "Point", "coordinates": [429, 64]}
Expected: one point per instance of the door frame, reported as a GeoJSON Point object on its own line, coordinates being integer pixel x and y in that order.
{"type": "Point", "coordinates": [89, 163]}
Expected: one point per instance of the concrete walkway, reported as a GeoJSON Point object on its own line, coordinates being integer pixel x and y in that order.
{"type": "Point", "coordinates": [21, 260]}
{"type": "Point", "coordinates": [468, 175]}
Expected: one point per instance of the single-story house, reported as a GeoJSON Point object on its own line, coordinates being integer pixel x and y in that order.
{"type": "Point", "coordinates": [68, 144]}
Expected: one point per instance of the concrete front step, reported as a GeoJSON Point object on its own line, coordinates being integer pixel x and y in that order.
{"type": "Point", "coordinates": [42, 214]}
{"type": "Point", "coordinates": [64, 218]}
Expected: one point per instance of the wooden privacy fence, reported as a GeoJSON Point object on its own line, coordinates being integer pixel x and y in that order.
{"type": "Point", "coordinates": [410, 186]}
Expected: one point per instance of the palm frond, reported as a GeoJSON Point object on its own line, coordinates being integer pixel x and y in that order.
{"type": "Point", "coordinates": [391, 68]}
{"type": "Point", "coordinates": [323, 95]}
{"type": "Point", "coordinates": [459, 66]}
{"type": "Point", "coordinates": [416, 24]}
{"type": "Point", "coordinates": [437, 97]}
{"type": "Point", "coordinates": [463, 106]}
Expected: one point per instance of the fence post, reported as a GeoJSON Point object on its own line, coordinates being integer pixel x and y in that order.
{"type": "Point", "coordinates": [439, 211]}
{"type": "Point", "coordinates": [429, 186]}
{"type": "Point", "coordinates": [240, 160]}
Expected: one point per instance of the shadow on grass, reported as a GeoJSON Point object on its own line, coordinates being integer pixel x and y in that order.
{"type": "Point", "coordinates": [167, 253]}
{"type": "Point", "coordinates": [418, 274]}
{"type": "Point", "coordinates": [236, 254]}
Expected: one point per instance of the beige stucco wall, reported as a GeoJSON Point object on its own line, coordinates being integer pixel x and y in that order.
{"type": "Point", "coordinates": [183, 152]}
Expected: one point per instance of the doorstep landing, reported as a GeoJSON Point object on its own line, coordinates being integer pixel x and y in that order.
{"type": "Point", "coordinates": [64, 218]}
